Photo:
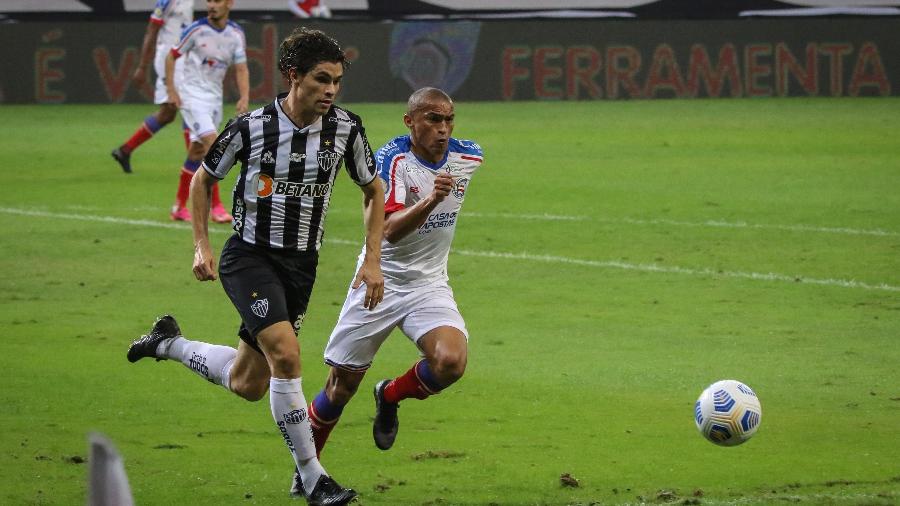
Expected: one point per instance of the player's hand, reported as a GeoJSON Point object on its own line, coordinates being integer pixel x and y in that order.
{"type": "Point", "coordinates": [204, 263]}
{"type": "Point", "coordinates": [443, 185]}
{"type": "Point", "coordinates": [241, 106]}
{"type": "Point", "coordinates": [174, 98]}
{"type": "Point", "coordinates": [370, 274]}
{"type": "Point", "coordinates": [140, 76]}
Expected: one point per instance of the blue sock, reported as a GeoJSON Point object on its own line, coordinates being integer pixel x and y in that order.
{"type": "Point", "coordinates": [426, 376]}
{"type": "Point", "coordinates": [326, 411]}
{"type": "Point", "coordinates": [152, 124]}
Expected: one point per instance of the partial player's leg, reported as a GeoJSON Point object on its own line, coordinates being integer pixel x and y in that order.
{"type": "Point", "coordinates": [282, 351]}
{"type": "Point", "coordinates": [165, 341]}
{"type": "Point", "coordinates": [326, 408]}
{"type": "Point", "coordinates": [445, 349]}
{"type": "Point", "coordinates": [151, 124]}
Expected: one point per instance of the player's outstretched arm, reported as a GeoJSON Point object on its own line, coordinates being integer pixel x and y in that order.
{"type": "Point", "coordinates": [204, 261]}
{"type": "Point", "coordinates": [242, 76]}
{"type": "Point", "coordinates": [401, 223]}
{"type": "Point", "coordinates": [370, 271]}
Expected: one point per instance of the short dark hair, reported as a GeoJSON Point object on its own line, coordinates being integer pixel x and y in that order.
{"type": "Point", "coordinates": [423, 97]}
{"type": "Point", "coordinates": [305, 48]}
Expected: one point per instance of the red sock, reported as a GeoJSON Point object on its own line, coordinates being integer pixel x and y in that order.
{"type": "Point", "coordinates": [140, 136]}
{"type": "Point", "coordinates": [216, 199]}
{"type": "Point", "coordinates": [320, 429]}
{"type": "Point", "coordinates": [406, 386]}
{"type": "Point", "coordinates": [184, 188]}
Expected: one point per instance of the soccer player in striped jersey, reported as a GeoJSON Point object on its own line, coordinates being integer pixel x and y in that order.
{"type": "Point", "coordinates": [209, 46]}
{"type": "Point", "coordinates": [290, 152]}
{"type": "Point", "coordinates": [427, 174]}
{"type": "Point", "coordinates": [163, 31]}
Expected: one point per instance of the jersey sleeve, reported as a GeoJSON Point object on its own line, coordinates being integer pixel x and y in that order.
{"type": "Point", "coordinates": [157, 17]}
{"type": "Point", "coordinates": [187, 41]}
{"type": "Point", "coordinates": [240, 49]}
{"type": "Point", "coordinates": [391, 172]}
{"type": "Point", "coordinates": [226, 150]}
{"type": "Point", "coordinates": [358, 157]}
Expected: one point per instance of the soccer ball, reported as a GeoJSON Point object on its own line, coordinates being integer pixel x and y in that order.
{"type": "Point", "coordinates": [727, 413]}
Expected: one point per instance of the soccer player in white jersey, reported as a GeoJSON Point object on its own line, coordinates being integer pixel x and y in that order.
{"type": "Point", "coordinates": [209, 46]}
{"type": "Point", "coordinates": [168, 20]}
{"type": "Point", "coordinates": [290, 152]}
{"type": "Point", "coordinates": [427, 173]}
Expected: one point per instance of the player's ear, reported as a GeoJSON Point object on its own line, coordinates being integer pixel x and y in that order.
{"type": "Point", "coordinates": [407, 120]}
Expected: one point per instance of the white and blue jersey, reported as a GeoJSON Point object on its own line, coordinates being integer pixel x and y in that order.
{"type": "Point", "coordinates": [420, 258]}
{"type": "Point", "coordinates": [208, 53]}
{"type": "Point", "coordinates": [172, 17]}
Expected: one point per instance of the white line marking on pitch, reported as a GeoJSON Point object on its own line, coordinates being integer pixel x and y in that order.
{"type": "Point", "coordinates": [707, 223]}
{"type": "Point", "coordinates": [610, 264]}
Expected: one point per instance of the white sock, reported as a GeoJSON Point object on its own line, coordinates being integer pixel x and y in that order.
{"type": "Point", "coordinates": [210, 361]}
{"type": "Point", "coordinates": [289, 411]}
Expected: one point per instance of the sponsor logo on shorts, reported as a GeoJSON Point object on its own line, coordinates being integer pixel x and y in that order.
{"type": "Point", "coordinates": [296, 416]}
{"type": "Point", "coordinates": [260, 307]}
{"type": "Point", "coordinates": [327, 159]}
{"type": "Point", "coordinates": [299, 322]}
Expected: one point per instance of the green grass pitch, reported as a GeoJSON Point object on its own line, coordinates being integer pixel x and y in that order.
{"type": "Point", "coordinates": [612, 260]}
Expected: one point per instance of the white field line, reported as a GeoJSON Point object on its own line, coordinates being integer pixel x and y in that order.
{"type": "Point", "coordinates": [531, 257]}
{"type": "Point", "coordinates": [677, 223]}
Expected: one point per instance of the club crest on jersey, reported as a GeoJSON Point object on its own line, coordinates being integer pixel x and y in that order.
{"type": "Point", "coordinates": [267, 157]}
{"type": "Point", "coordinates": [260, 307]}
{"type": "Point", "coordinates": [459, 189]}
{"type": "Point", "coordinates": [327, 159]}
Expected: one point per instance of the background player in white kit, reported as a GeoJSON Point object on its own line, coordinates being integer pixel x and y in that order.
{"type": "Point", "coordinates": [209, 46]}
{"type": "Point", "coordinates": [169, 19]}
{"type": "Point", "coordinates": [426, 175]}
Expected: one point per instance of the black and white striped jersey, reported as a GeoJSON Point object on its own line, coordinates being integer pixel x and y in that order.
{"type": "Point", "coordinates": [287, 173]}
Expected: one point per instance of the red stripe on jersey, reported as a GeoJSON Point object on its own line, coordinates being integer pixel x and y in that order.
{"type": "Point", "coordinates": [186, 37]}
{"type": "Point", "coordinates": [473, 158]}
{"type": "Point", "coordinates": [392, 205]}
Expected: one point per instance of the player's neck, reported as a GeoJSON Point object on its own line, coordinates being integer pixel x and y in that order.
{"type": "Point", "coordinates": [426, 156]}
{"type": "Point", "coordinates": [302, 118]}
{"type": "Point", "coordinates": [218, 24]}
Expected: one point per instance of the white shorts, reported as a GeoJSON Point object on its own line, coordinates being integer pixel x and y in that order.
{"type": "Point", "coordinates": [360, 332]}
{"type": "Point", "coordinates": [202, 119]}
{"type": "Point", "coordinates": [160, 94]}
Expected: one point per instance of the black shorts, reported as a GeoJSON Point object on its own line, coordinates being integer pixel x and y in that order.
{"type": "Point", "coordinates": [266, 285]}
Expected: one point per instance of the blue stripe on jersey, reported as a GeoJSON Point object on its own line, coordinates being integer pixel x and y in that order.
{"type": "Point", "coordinates": [163, 4]}
{"type": "Point", "coordinates": [465, 147]}
{"type": "Point", "coordinates": [403, 144]}
{"type": "Point", "coordinates": [235, 26]}
{"type": "Point", "coordinates": [191, 27]}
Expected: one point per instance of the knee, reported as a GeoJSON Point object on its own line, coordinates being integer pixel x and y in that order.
{"type": "Point", "coordinates": [166, 115]}
{"type": "Point", "coordinates": [449, 367]}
